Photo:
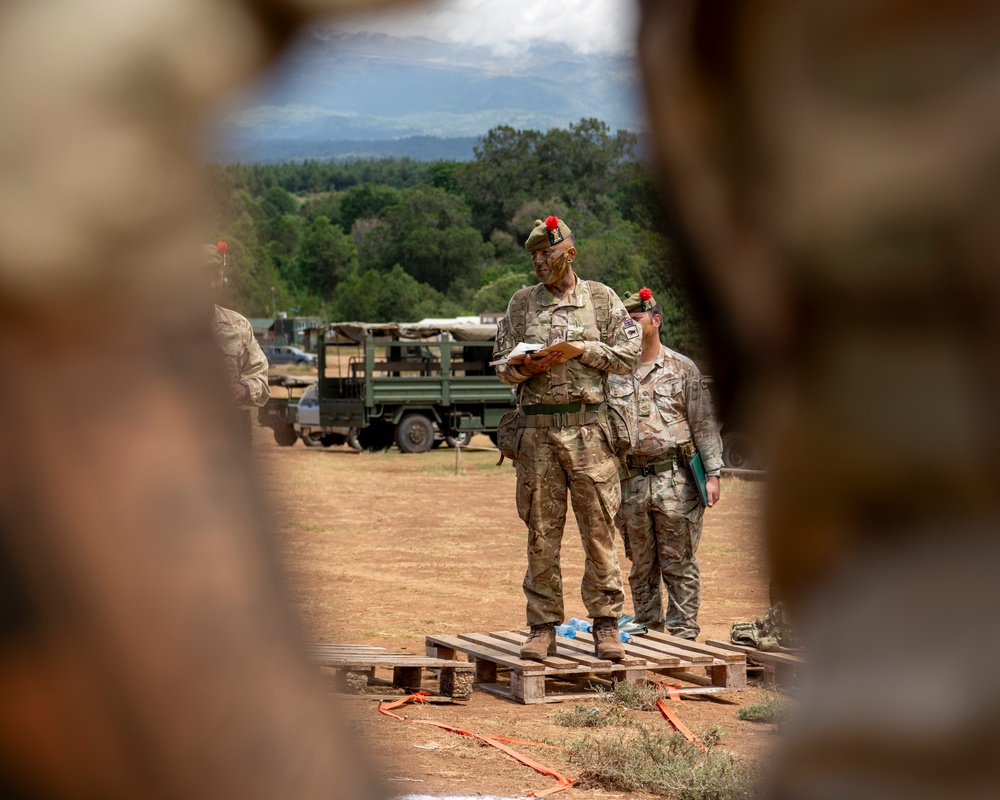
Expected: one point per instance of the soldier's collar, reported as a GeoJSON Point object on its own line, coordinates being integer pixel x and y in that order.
{"type": "Point", "coordinates": [576, 297]}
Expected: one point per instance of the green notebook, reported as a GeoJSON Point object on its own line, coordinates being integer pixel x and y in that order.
{"type": "Point", "coordinates": [698, 471]}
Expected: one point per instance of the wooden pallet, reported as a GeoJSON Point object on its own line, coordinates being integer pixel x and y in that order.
{"type": "Point", "coordinates": [780, 669]}
{"type": "Point", "coordinates": [575, 664]}
{"type": "Point", "coordinates": [355, 666]}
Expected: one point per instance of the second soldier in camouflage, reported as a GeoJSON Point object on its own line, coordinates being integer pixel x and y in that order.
{"type": "Point", "coordinates": [668, 405]}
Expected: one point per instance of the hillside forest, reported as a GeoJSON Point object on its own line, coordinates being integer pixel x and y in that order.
{"type": "Point", "coordinates": [397, 239]}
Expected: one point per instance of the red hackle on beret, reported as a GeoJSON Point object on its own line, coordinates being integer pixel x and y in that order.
{"type": "Point", "coordinates": [222, 247]}
{"type": "Point", "coordinates": [551, 223]}
{"type": "Point", "coordinates": [645, 294]}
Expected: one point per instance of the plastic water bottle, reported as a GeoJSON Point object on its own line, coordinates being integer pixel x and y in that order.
{"type": "Point", "coordinates": [580, 624]}
{"type": "Point", "coordinates": [567, 631]}
{"type": "Point", "coordinates": [626, 639]}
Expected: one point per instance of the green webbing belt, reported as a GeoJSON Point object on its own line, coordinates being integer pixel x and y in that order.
{"type": "Point", "coordinates": [566, 408]}
{"type": "Point", "coordinates": [650, 469]}
{"type": "Point", "coordinates": [570, 415]}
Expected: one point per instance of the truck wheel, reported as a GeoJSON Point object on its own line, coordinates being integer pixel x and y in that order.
{"type": "Point", "coordinates": [740, 452]}
{"type": "Point", "coordinates": [285, 437]}
{"type": "Point", "coordinates": [415, 434]}
{"type": "Point", "coordinates": [352, 440]}
{"type": "Point", "coordinates": [377, 436]}
{"type": "Point", "coordinates": [331, 439]}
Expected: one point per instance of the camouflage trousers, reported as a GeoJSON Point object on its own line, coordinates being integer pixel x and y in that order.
{"type": "Point", "coordinates": [550, 462]}
{"type": "Point", "coordinates": [660, 520]}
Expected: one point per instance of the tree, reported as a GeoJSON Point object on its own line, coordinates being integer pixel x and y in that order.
{"type": "Point", "coordinates": [282, 234]}
{"type": "Point", "coordinates": [431, 235]}
{"type": "Point", "coordinates": [326, 257]}
{"type": "Point", "coordinates": [502, 177]}
{"type": "Point", "coordinates": [366, 201]}
{"type": "Point", "coordinates": [442, 175]}
{"type": "Point", "coordinates": [393, 296]}
{"type": "Point", "coordinates": [277, 202]}
{"type": "Point", "coordinates": [613, 258]}
{"type": "Point", "coordinates": [495, 296]}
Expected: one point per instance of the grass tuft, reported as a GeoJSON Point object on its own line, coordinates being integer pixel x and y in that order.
{"type": "Point", "coordinates": [641, 760]}
{"type": "Point", "coordinates": [592, 717]}
{"type": "Point", "coordinates": [774, 708]}
{"type": "Point", "coordinates": [634, 696]}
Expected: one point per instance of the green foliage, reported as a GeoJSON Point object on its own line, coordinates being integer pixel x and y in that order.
{"type": "Point", "coordinates": [428, 230]}
{"type": "Point", "coordinates": [277, 202]}
{"type": "Point", "coordinates": [592, 717]}
{"type": "Point", "coordinates": [640, 760]}
{"type": "Point", "coordinates": [495, 295]}
{"type": "Point", "coordinates": [398, 239]}
{"type": "Point", "coordinates": [392, 296]}
{"type": "Point", "coordinates": [326, 257]}
{"type": "Point", "coordinates": [578, 168]}
{"type": "Point", "coordinates": [366, 201]}
{"type": "Point", "coordinates": [632, 695]}
{"type": "Point", "coordinates": [442, 175]}
{"type": "Point", "coordinates": [774, 708]}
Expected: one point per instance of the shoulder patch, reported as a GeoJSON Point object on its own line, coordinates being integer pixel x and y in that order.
{"type": "Point", "coordinates": [631, 329]}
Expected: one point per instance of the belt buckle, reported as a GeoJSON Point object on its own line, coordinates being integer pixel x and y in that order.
{"type": "Point", "coordinates": [648, 470]}
{"type": "Point", "coordinates": [557, 420]}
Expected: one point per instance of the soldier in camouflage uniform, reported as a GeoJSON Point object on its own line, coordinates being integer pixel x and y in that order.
{"type": "Point", "coordinates": [561, 443]}
{"type": "Point", "coordinates": [245, 363]}
{"type": "Point", "coordinates": [667, 403]}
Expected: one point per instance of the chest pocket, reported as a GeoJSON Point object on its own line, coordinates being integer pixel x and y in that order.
{"type": "Point", "coordinates": [621, 391]}
{"type": "Point", "coordinates": [669, 399]}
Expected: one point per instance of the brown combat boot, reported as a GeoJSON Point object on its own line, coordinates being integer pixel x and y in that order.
{"type": "Point", "coordinates": [607, 643]}
{"type": "Point", "coordinates": [541, 642]}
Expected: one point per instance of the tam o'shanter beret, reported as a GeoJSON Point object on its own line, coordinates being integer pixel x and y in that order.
{"type": "Point", "coordinates": [643, 301]}
{"type": "Point", "coordinates": [214, 255]}
{"type": "Point", "coordinates": [547, 233]}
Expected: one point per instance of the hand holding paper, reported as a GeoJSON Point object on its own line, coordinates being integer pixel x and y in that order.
{"type": "Point", "coordinates": [516, 356]}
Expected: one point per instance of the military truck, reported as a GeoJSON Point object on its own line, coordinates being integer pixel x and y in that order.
{"type": "Point", "coordinates": [408, 385]}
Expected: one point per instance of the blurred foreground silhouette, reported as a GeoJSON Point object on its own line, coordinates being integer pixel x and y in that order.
{"type": "Point", "coordinates": [832, 176]}
{"type": "Point", "coordinates": [146, 649]}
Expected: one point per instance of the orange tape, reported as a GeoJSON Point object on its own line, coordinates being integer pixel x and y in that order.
{"type": "Point", "coordinates": [681, 728]}
{"type": "Point", "coordinates": [671, 690]}
{"type": "Point", "coordinates": [562, 782]}
{"type": "Point", "coordinates": [417, 697]}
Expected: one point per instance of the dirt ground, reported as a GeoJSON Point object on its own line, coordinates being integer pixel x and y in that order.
{"type": "Point", "coordinates": [386, 548]}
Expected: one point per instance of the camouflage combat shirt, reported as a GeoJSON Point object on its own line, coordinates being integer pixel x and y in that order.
{"type": "Point", "coordinates": [667, 406]}
{"type": "Point", "coordinates": [245, 361]}
{"type": "Point", "coordinates": [548, 320]}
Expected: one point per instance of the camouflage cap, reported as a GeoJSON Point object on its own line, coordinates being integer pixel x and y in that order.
{"type": "Point", "coordinates": [213, 256]}
{"type": "Point", "coordinates": [643, 301]}
{"type": "Point", "coordinates": [547, 233]}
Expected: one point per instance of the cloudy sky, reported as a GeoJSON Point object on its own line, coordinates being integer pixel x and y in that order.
{"type": "Point", "coordinates": [510, 26]}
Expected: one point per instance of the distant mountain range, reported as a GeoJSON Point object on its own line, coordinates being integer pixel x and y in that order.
{"type": "Point", "coordinates": [340, 95]}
